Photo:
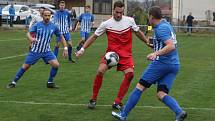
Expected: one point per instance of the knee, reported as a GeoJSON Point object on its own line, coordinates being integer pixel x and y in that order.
{"type": "Point", "coordinates": [161, 95]}
{"type": "Point", "coordinates": [100, 72]}
{"type": "Point", "coordinates": [26, 66]}
{"type": "Point", "coordinates": [56, 65]}
{"type": "Point", "coordinates": [129, 76]}
{"type": "Point", "coordinates": [162, 91]}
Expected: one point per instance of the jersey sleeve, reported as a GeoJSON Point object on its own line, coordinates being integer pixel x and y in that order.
{"type": "Point", "coordinates": [101, 29]}
{"type": "Point", "coordinates": [164, 33]}
{"type": "Point", "coordinates": [33, 28]}
{"type": "Point", "coordinates": [134, 25]}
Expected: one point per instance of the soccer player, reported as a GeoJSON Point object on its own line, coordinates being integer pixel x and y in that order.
{"type": "Point", "coordinates": [162, 70]}
{"type": "Point", "coordinates": [87, 20]}
{"type": "Point", "coordinates": [119, 33]}
{"type": "Point", "coordinates": [62, 19]}
{"type": "Point", "coordinates": [43, 32]}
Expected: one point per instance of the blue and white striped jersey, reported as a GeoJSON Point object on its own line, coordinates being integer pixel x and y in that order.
{"type": "Point", "coordinates": [163, 32]}
{"type": "Point", "coordinates": [86, 19]}
{"type": "Point", "coordinates": [43, 33]}
{"type": "Point", "coordinates": [63, 20]}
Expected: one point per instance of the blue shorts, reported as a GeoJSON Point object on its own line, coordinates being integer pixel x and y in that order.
{"type": "Point", "coordinates": [67, 37]}
{"type": "Point", "coordinates": [160, 73]}
{"type": "Point", "coordinates": [84, 35]}
{"type": "Point", "coordinates": [33, 57]}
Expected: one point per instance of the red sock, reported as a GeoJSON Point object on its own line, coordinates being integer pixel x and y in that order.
{"type": "Point", "coordinates": [96, 86]}
{"type": "Point", "coordinates": [124, 87]}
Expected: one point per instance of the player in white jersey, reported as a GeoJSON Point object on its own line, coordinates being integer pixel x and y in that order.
{"type": "Point", "coordinates": [43, 32]}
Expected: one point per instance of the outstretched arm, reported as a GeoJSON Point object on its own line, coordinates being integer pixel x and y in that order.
{"type": "Point", "coordinates": [88, 42]}
{"type": "Point", "coordinates": [142, 37]}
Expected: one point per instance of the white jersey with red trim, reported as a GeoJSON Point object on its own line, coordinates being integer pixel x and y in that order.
{"type": "Point", "coordinates": [119, 35]}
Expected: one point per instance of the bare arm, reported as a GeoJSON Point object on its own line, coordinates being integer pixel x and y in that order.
{"type": "Point", "coordinates": [88, 42]}
{"type": "Point", "coordinates": [30, 38]}
{"type": "Point", "coordinates": [142, 37]}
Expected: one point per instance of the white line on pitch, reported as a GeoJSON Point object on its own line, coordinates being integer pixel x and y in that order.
{"type": "Point", "coordinates": [9, 57]}
{"type": "Point", "coordinates": [72, 104]}
{"type": "Point", "coordinates": [12, 39]}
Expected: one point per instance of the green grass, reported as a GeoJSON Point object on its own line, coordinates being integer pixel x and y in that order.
{"type": "Point", "coordinates": [193, 88]}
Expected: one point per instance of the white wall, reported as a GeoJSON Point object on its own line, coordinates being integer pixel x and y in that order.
{"type": "Point", "coordinates": [197, 7]}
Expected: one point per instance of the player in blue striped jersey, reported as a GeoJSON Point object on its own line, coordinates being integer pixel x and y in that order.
{"type": "Point", "coordinates": [62, 19]}
{"type": "Point", "coordinates": [40, 39]}
{"type": "Point", "coordinates": [161, 71]}
{"type": "Point", "coordinates": [87, 20]}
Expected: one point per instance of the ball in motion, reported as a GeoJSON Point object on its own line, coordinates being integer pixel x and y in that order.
{"type": "Point", "coordinates": [112, 59]}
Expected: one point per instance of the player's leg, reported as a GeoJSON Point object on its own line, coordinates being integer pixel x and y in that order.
{"type": "Point", "coordinates": [164, 86]}
{"type": "Point", "coordinates": [31, 59]}
{"type": "Point", "coordinates": [67, 37]}
{"type": "Point", "coordinates": [149, 77]}
{"type": "Point", "coordinates": [128, 76]}
{"type": "Point", "coordinates": [57, 45]}
{"type": "Point", "coordinates": [97, 84]}
{"type": "Point", "coordinates": [81, 41]}
{"type": "Point", "coordinates": [132, 101]}
{"type": "Point", "coordinates": [52, 60]}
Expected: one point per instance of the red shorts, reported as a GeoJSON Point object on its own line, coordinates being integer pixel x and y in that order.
{"type": "Point", "coordinates": [124, 63]}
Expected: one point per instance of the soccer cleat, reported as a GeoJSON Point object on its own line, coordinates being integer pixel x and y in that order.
{"type": "Point", "coordinates": [11, 85]}
{"type": "Point", "coordinates": [52, 86]}
{"type": "Point", "coordinates": [91, 104]}
{"type": "Point", "coordinates": [72, 61]}
{"type": "Point", "coordinates": [118, 116]}
{"type": "Point", "coordinates": [181, 116]}
{"type": "Point", "coordinates": [117, 106]}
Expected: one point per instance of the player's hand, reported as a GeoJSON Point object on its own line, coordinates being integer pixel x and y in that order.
{"type": "Point", "coordinates": [150, 42]}
{"type": "Point", "coordinates": [80, 52]}
{"type": "Point", "coordinates": [33, 40]}
{"type": "Point", "coordinates": [65, 52]}
{"type": "Point", "coordinates": [152, 56]}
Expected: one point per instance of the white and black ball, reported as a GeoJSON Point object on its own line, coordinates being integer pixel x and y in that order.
{"type": "Point", "coordinates": [112, 59]}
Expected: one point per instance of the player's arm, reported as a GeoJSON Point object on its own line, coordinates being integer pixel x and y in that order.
{"type": "Point", "coordinates": [169, 47]}
{"type": "Point", "coordinates": [99, 31]}
{"type": "Point", "coordinates": [142, 37]}
{"type": "Point", "coordinates": [30, 37]}
{"type": "Point", "coordinates": [31, 33]}
{"type": "Point", "coordinates": [88, 42]}
{"type": "Point", "coordinates": [76, 27]}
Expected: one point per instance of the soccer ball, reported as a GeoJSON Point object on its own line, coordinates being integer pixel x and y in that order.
{"type": "Point", "coordinates": [112, 59]}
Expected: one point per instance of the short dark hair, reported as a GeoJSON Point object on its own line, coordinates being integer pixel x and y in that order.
{"type": "Point", "coordinates": [118, 4]}
{"type": "Point", "coordinates": [155, 11]}
{"type": "Point", "coordinates": [88, 6]}
{"type": "Point", "coordinates": [62, 1]}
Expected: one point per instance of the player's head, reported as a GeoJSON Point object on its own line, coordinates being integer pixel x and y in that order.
{"type": "Point", "coordinates": [46, 15]}
{"type": "Point", "coordinates": [87, 8]}
{"type": "Point", "coordinates": [41, 9]}
{"type": "Point", "coordinates": [155, 15]}
{"type": "Point", "coordinates": [62, 5]}
{"type": "Point", "coordinates": [118, 10]}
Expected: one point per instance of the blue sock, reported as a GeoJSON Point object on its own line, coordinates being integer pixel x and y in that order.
{"type": "Point", "coordinates": [70, 53]}
{"type": "Point", "coordinates": [56, 49]}
{"type": "Point", "coordinates": [172, 104]}
{"type": "Point", "coordinates": [19, 74]}
{"type": "Point", "coordinates": [132, 101]}
{"type": "Point", "coordinates": [53, 73]}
